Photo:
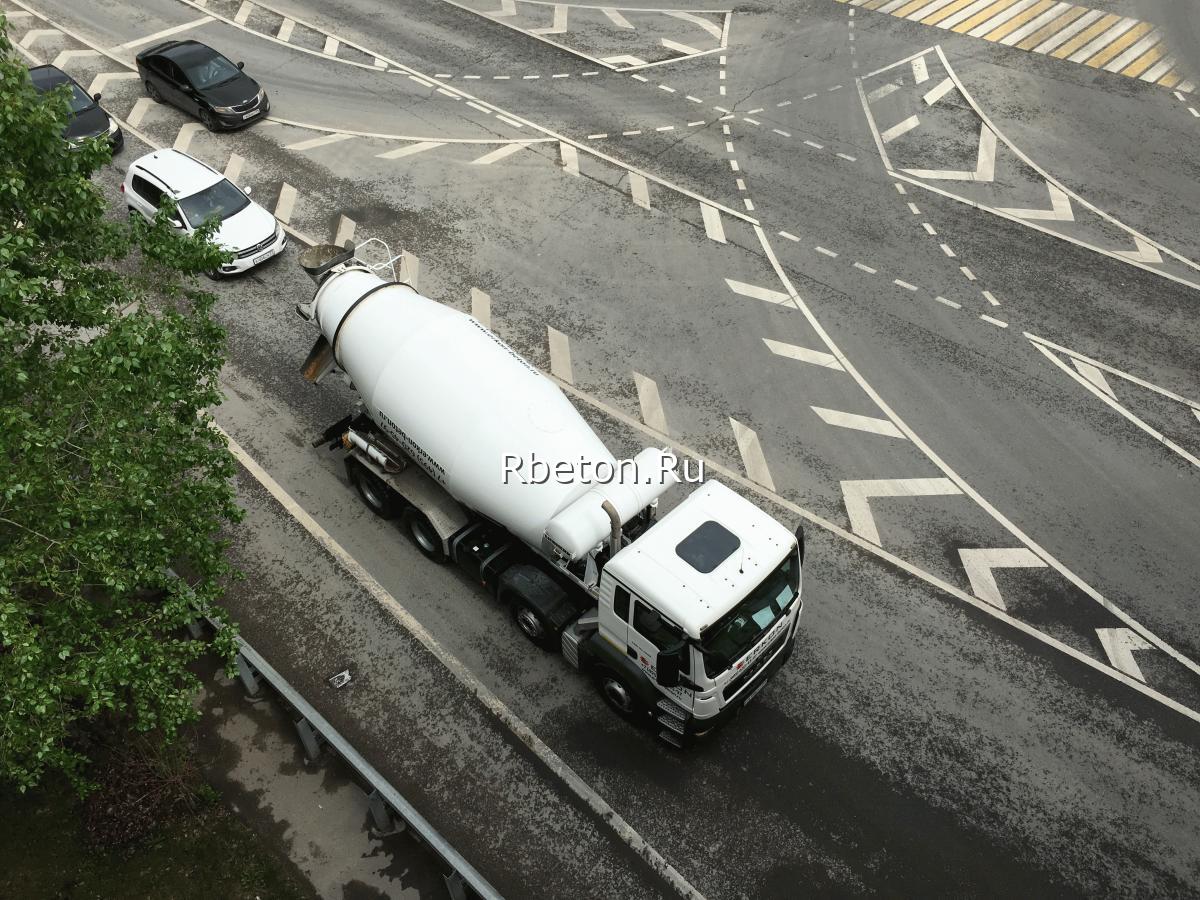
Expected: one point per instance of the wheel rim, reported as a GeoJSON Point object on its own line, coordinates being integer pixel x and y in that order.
{"type": "Point", "coordinates": [617, 694]}
{"type": "Point", "coordinates": [206, 120]}
{"type": "Point", "coordinates": [421, 536]}
{"type": "Point", "coordinates": [530, 623]}
{"type": "Point", "coordinates": [370, 494]}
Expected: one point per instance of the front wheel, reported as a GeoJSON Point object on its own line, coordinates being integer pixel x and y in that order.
{"type": "Point", "coordinates": [207, 120]}
{"type": "Point", "coordinates": [422, 533]}
{"type": "Point", "coordinates": [619, 696]}
{"type": "Point", "coordinates": [152, 92]}
{"type": "Point", "coordinates": [372, 490]}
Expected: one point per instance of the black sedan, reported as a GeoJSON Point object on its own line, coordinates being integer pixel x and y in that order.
{"type": "Point", "coordinates": [202, 82]}
{"type": "Point", "coordinates": [87, 119]}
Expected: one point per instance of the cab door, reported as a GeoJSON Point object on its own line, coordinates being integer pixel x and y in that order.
{"type": "Point", "coordinates": [649, 632]}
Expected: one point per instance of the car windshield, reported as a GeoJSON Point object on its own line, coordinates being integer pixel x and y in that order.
{"type": "Point", "coordinates": [212, 71]}
{"type": "Point", "coordinates": [738, 631]}
{"type": "Point", "coordinates": [79, 100]}
{"type": "Point", "coordinates": [221, 200]}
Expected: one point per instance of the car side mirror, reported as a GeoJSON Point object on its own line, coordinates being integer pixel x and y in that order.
{"type": "Point", "coordinates": [669, 665]}
{"type": "Point", "coordinates": [246, 190]}
{"type": "Point", "coordinates": [96, 97]}
{"type": "Point", "coordinates": [241, 65]}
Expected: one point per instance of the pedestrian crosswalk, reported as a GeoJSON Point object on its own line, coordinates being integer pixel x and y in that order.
{"type": "Point", "coordinates": [1091, 37]}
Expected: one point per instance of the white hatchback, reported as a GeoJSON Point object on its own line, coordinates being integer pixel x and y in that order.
{"type": "Point", "coordinates": [201, 192]}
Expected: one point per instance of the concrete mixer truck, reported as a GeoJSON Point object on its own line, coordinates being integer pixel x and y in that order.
{"type": "Point", "coordinates": [679, 620]}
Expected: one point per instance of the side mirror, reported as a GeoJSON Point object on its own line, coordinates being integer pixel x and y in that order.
{"type": "Point", "coordinates": [241, 65]}
{"type": "Point", "coordinates": [246, 190]}
{"type": "Point", "coordinates": [96, 97]}
{"type": "Point", "coordinates": [800, 541]}
{"type": "Point", "coordinates": [668, 666]}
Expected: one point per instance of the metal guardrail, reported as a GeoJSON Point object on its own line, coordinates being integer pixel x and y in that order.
{"type": "Point", "coordinates": [385, 802]}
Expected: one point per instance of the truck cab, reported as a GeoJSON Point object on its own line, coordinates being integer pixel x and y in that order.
{"type": "Point", "coordinates": [696, 613]}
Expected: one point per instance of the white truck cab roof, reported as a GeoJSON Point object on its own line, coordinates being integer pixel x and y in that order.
{"type": "Point", "coordinates": [702, 558]}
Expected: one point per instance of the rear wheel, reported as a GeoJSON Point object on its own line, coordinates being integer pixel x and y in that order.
{"type": "Point", "coordinates": [617, 693]}
{"type": "Point", "coordinates": [532, 624]}
{"type": "Point", "coordinates": [372, 490]}
{"type": "Point", "coordinates": [152, 92]}
{"type": "Point", "coordinates": [422, 533]}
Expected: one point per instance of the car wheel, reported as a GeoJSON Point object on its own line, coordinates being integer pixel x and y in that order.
{"type": "Point", "coordinates": [619, 696]}
{"type": "Point", "coordinates": [152, 92]}
{"type": "Point", "coordinates": [531, 623]}
{"type": "Point", "coordinates": [207, 120]}
{"type": "Point", "coordinates": [372, 490]}
{"type": "Point", "coordinates": [421, 532]}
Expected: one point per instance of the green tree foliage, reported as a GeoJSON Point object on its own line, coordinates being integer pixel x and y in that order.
{"type": "Point", "coordinates": [109, 472]}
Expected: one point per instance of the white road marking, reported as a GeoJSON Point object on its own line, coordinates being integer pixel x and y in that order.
{"type": "Point", "coordinates": [694, 99]}
{"type": "Point", "coordinates": [345, 231]}
{"type": "Point", "coordinates": [701, 122]}
{"type": "Point", "coordinates": [857, 495]}
{"type": "Point", "coordinates": [560, 355]}
{"type": "Point", "coordinates": [631, 133]}
{"type": "Point", "coordinates": [970, 276]}
{"type": "Point", "coordinates": [880, 92]}
{"type": "Point", "coordinates": [481, 307]}
{"type": "Point", "coordinates": [410, 269]}
{"type": "Point", "coordinates": [650, 402]}
{"type": "Point", "coordinates": [848, 157]}
{"type": "Point", "coordinates": [285, 203]}
{"type": "Point", "coordinates": [420, 81]}
{"type": "Point", "coordinates": [733, 164]}
{"type": "Point", "coordinates": [753, 460]}
{"type": "Point", "coordinates": [669, 90]}
{"type": "Point", "coordinates": [616, 18]}
{"type": "Point", "coordinates": [409, 150]}
{"type": "Point", "coordinates": [948, 251]}
{"type": "Point", "coordinates": [321, 141]}
{"type": "Point", "coordinates": [713, 227]}
{"type": "Point", "coordinates": [65, 56]}
{"type": "Point", "coordinates": [949, 303]}
{"type": "Point", "coordinates": [596, 137]}
{"type": "Point", "coordinates": [865, 268]}
{"type": "Point", "coordinates": [828, 253]}
{"type": "Point", "coordinates": [1094, 375]}
{"type": "Point", "coordinates": [530, 77]}
{"type": "Point", "coordinates": [912, 208]}
{"type": "Point", "coordinates": [498, 77]}
{"type": "Point", "coordinates": [379, 63]}
{"type": "Point", "coordinates": [1059, 211]}
{"type": "Point", "coordinates": [1119, 644]}
{"type": "Point", "coordinates": [286, 27]}
{"type": "Point", "coordinates": [507, 121]}
{"type": "Point", "coordinates": [450, 94]}
{"type": "Point", "coordinates": [160, 35]}
{"type": "Point", "coordinates": [920, 70]}
{"type": "Point", "coordinates": [639, 190]}
{"type": "Point", "coordinates": [803, 354]}
{"type": "Point", "coordinates": [757, 292]}
{"type": "Point", "coordinates": [331, 46]}
{"type": "Point", "coordinates": [944, 87]}
{"type": "Point", "coordinates": [478, 106]}
{"type": "Point", "coordinates": [98, 83]}
{"type": "Point", "coordinates": [1035, 24]}
{"type": "Point", "coordinates": [139, 110]}
{"type": "Point", "coordinates": [979, 563]}
{"type": "Point", "coordinates": [899, 128]}
{"type": "Point", "coordinates": [751, 121]}
{"type": "Point", "coordinates": [869, 424]}
{"type": "Point", "coordinates": [928, 228]}
{"type": "Point", "coordinates": [709, 26]}
{"type": "Point", "coordinates": [183, 139]}
{"type": "Point", "coordinates": [985, 166]}
{"type": "Point", "coordinates": [570, 158]}
{"type": "Point", "coordinates": [836, 87]}
{"type": "Point", "coordinates": [784, 103]}
{"type": "Point", "coordinates": [1094, 46]}
{"type": "Point", "coordinates": [498, 154]}
{"type": "Point", "coordinates": [559, 26]}
{"type": "Point", "coordinates": [815, 145]}
{"type": "Point", "coordinates": [808, 96]}
{"type": "Point", "coordinates": [741, 184]}
{"type": "Point", "coordinates": [233, 168]}
{"type": "Point", "coordinates": [243, 12]}
{"type": "Point", "coordinates": [1145, 252]}
{"type": "Point", "coordinates": [904, 284]}
{"type": "Point", "coordinates": [987, 295]}
{"type": "Point", "coordinates": [996, 322]}
{"type": "Point", "coordinates": [507, 8]}
{"type": "Point", "coordinates": [789, 236]}
{"type": "Point", "coordinates": [749, 204]}
{"type": "Point", "coordinates": [781, 133]}
{"type": "Point", "coordinates": [753, 112]}
{"type": "Point", "coordinates": [626, 60]}
{"type": "Point", "coordinates": [665, 128]}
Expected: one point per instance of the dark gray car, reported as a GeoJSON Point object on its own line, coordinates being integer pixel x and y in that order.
{"type": "Point", "coordinates": [88, 119]}
{"type": "Point", "coordinates": [203, 83]}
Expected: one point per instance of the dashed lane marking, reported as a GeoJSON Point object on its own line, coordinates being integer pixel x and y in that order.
{"type": "Point", "coordinates": [804, 355]}
{"type": "Point", "coordinates": [979, 563]}
{"type": "Point", "coordinates": [560, 355]}
{"type": "Point", "coordinates": [824, 252]}
{"type": "Point", "coordinates": [753, 460]}
{"type": "Point", "coordinates": [869, 424]}
{"type": "Point", "coordinates": [481, 307]}
{"type": "Point", "coordinates": [650, 402]}
{"type": "Point", "coordinates": [858, 494]}
{"type": "Point", "coordinates": [865, 268]}
{"type": "Point", "coordinates": [991, 321]}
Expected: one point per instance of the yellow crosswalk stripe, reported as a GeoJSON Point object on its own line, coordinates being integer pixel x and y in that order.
{"type": "Point", "coordinates": [1052, 28]}
{"type": "Point", "coordinates": [1018, 20]}
{"type": "Point", "coordinates": [907, 8]}
{"type": "Point", "coordinates": [1143, 62]}
{"type": "Point", "coordinates": [946, 12]}
{"type": "Point", "coordinates": [875, 4]}
{"type": "Point", "coordinates": [1170, 79]}
{"type": "Point", "coordinates": [982, 16]}
{"type": "Point", "coordinates": [1109, 53]}
{"type": "Point", "coordinates": [1093, 31]}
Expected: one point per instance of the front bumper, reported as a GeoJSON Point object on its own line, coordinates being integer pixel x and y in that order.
{"type": "Point", "coordinates": [245, 264]}
{"type": "Point", "coordinates": [117, 141]}
{"type": "Point", "coordinates": [233, 121]}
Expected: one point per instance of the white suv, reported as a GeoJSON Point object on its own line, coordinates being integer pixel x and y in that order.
{"type": "Point", "coordinates": [201, 192]}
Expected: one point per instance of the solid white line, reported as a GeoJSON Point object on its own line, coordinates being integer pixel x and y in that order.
{"type": "Point", "coordinates": [408, 150]}
{"type": "Point", "coordinates": [481, 307]}
{"type": "Point", "coordinates": [757, 292]}
{"type": "Point", "coordinates": [507, 121]}
{"type": "Point", "coordinates": [899, 128]}
{"type": "Point", "coordinates": [869, 424]}
{"type": "Point", "coordinates": [753, 460]}
{"type": "Point", "coordinates": [857, 495]}
{"type": "Point", "coordinates": [803, 354]}
{"type": "Point", "coordinates": [828, 253]}
{"type": "Point", "coordinates": [498, 154]}
{"type": "Point", "coordinates": [713, 226]}
{"type": "Point", "coordinates": [319, 141]}
{"type": "Point", "coordinates": [650, 402]}
{"type": "Point", "coordinates": [166, 32]}
{"type": "Point", "coordinates": [285, 204]}
{"type": "Point", "coordinates": [570, 158]}
{"type": "Point", "coordinates": [478, 106]}
{"type": "Point", "coordinates": [1115, 371]}
{"type": "Point", "coordinates": [979, 563]}
{"type": "Point", "coordinates": [560, 355]}
{"type": "Point", "coordinates": [450, 94]}
{"type": "Point", "coordinates": [639, 190]}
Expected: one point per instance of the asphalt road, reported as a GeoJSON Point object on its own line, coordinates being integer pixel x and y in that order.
{"type": "Point", "coordinates": [1018, 336]}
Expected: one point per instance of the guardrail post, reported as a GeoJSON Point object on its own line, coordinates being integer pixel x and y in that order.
{"type": "Point", "coordinates": [308, 739]}
{"type": "Point", "coordinates": [249, 678]}
{"type": "Point", "coordinates": [382, 818]}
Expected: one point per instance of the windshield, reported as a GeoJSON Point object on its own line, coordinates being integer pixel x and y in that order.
{"type": "Point", "coordinates": [221, 200]}
{"type": "Point", "coordinates": [79, 100]}
{"type": "Point", "coordinates": [731, 637]}
{"type": "Point", "coordinates": [211, 72]}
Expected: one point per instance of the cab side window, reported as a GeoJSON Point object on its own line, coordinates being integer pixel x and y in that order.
{"type": "Point", "coordinates": [658, 631]}
{"type": "Point", "coordinates": [152, 194]}
{"type": "Point", "coordinates": [621, 603]}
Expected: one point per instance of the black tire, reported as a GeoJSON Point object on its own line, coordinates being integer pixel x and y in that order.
{"type": "Point", "coordinates": [377, 495]}
{"type": "Point", "coordinates": [207, 120]}
{"type": "Point", "coordinates": [620, 697]}
{"type": "Point", "coordinates": [152, 92]}
{"type": "Point", "coordinates": [423, 535]}
{"type": "Point", "coordinates": [531, 623]}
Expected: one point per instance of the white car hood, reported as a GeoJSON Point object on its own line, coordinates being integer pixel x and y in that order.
{"type": "Point", "coordinates": [246, 228]}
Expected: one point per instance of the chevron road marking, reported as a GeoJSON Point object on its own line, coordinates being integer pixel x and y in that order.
{"type": "Point", "coordinates": [166, 32]}
{"type": "Point", "coordinates": [616, 18]}
{"type": "Point", "coordinates": [757, 292]}
{"type": "Point", "coordinates": [712, 223]}
{"type": "Point", "coordinates": [183, 139]}
{"type": "Point", "coordinates": [1059, 211]}
{"type": "Point", "coordinates": [243, 12]}
{"type": "Point", "coordinates": [979, 564]}
{"type": "Point", "coordinates": [507, 8]}
{"type": "Point", "coordinates": [409, 149]}
{"type": "Point", "coordinates": [935, 94]}
{"type": "Point", "coordinates": [321, 141]}
{"type": "Point", "coordinates": [67, 55]}
{"type": "Point", "coordinates": [683, 49]}
{"type": "Point", "coordinates": [286, 27]}
{"type": "Point", "coordinates": [1119, 644]}
{"type": "Point", "coordinates": [639, 190]}
{"type": "Point", "coordinates": [560, 355]}
{"type": "Point", "coordinates": [711, 27]}
{"type": "Point", "coordinates": [650, 402]}
{"type": "Point", "coordinates": [570, 158]}
{"type": "Point", "coordinates": [869, 424]}
{"type": "Point", "coordinates": [985, 168]}
{"type": "Point", "coordinates": [1145, 252]}
{"type": "Point", "coordinates": [36, 34]}
{"type": "Point", "coordinates": [481, 307]}
{"type": "Point", "coordinates": [857, 495]}
{"type": "Point", "coordinates": [803, 354]}
{"type": "Point", "coordinates": [498, 154]}
{"type": "Point", "coordinates": [233, 168]}
{"type": "Point", "coordinates": [753, 460]}
{"type": "Point", "coordinates": [410, 270]}
{"type": "Point", "coordinates": [139, 111]}
{"type": "Point", "coordinates": [285, 203]}
{"type": "Point", "coordinates": [1094, 375]}
{"type": "Point", "coordinates": [898, 129]}
{"type": "Point", "coordinates": [560, 22]}
{"type": "Point", "coordinates": [345, 231]}
{"type": "Point", "coordinates": [98, 83]}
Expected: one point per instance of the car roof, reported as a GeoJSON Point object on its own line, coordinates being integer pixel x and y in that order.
{"type": "Point", "coordinates": [186, 51]}
{"type": "Point", "coordinates": [46, 77]}
{"type": "Point", "coordinates": [183, 175]}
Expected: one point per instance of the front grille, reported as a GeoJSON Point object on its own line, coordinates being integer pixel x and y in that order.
{"type": "Point", "coordinates": [257, 248]}
{"type": "Point", "coordinates": [247, 106]}
{"type": "Point", "coordinates": [742, 680]}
